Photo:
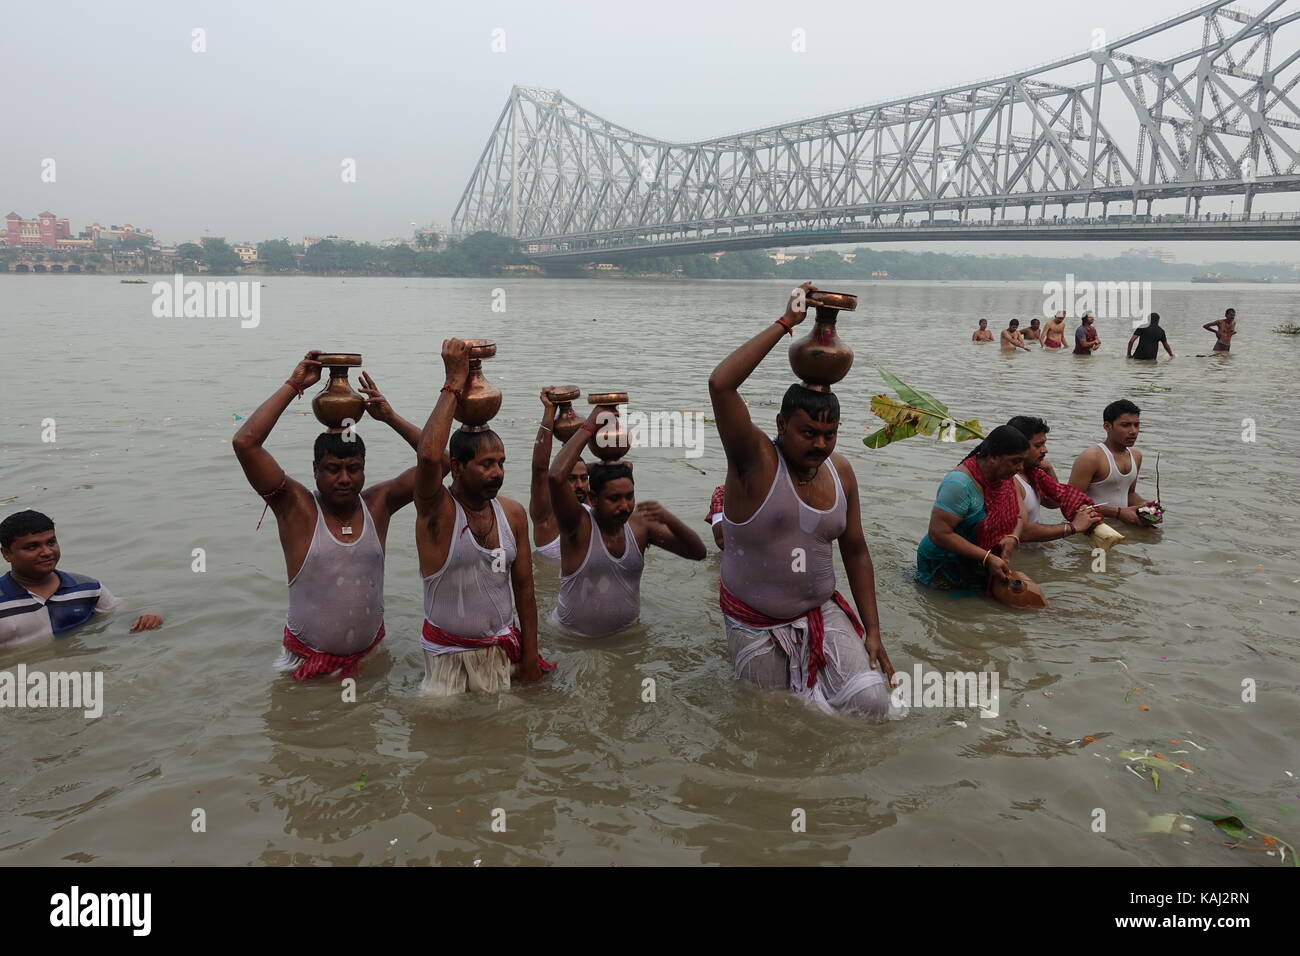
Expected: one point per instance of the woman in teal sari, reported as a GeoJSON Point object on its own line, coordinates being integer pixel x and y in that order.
{"type": "Point", "coordinates": [976, 519]}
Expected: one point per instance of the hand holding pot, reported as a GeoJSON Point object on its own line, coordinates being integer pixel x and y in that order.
{"type": "Point", "coordinates": [455, 359]}
{"type": "Point", "coordinates": [306, 373]}
{"type": "Point", "coordinates": [798, 298]}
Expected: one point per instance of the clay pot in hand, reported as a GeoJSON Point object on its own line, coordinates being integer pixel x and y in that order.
{"type": "Point", "coordinates": [479, 400]}
{"type": "Point", "coordinates": [611, 441]}
{"type": "Point", "coordinates": [820, 358]}
{"type": "Point", "coordinates": [566, 419]}
{"type": "Point", "coordinates": [1020, 591]}
{"type": "Point", "coordinates": [338, 401]}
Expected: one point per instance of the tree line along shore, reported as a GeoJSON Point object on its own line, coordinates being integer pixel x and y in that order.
{"type": "Point", "coordinates": [486, 254]}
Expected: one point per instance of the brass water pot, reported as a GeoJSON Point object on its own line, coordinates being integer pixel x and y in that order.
{"type": "Point", "coordinates": [611, 441]}
{"type": "Point", "coordinates": [821, 358]}
{"type": "Point", "coordinates": [479, 400]}
{"type": "Point", "coordinates": [566, 419]}
{"type": "Point", "coordinates": [338, 401]}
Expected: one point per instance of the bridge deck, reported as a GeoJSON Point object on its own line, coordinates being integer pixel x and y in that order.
{"type": "Point", "coordinates": [1273, 226]}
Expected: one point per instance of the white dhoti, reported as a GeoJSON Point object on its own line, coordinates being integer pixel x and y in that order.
{"type": "Point", "coordinates": [483, 669]}
{"type": "Point", "coordinates": [776, 658]}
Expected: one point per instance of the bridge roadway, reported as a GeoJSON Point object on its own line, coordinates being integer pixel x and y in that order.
{"type": "Point", "coordinates": [615, 247]}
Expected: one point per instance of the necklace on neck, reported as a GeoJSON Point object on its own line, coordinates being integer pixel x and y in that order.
{"type": "Point", "coordinates": [471, 511]}
{"type": "Point", "coordinates": [807, 481]}
{"type": "Point", "coordinates": [346, 528]}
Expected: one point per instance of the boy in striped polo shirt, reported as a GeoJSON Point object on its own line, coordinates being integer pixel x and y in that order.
{"type": "Point", "coordinates": [37, 600]}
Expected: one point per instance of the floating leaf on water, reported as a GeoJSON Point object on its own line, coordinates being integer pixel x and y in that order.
{"type": "Point", "coordinates": [1155, 777]}
{"type": "Point", "coordinates": [360, 783]}
{"type": "Point", "coordinates": [1162, 823]}
{"type": "Point", "coordinates": [1152, 760]}
{"type": "Point", "coordinates": [1231, 825]}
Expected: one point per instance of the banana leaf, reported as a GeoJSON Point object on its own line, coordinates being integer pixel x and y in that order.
{"type": "Point", "coordinates": [918, 413]}
{"type": "Point", "coordinates": [913, 396]}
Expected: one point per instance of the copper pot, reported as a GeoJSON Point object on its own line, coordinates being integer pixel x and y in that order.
{"type": "Point", "coordinates": [1020, 591]}
{"type": "Point", "coordinates": [611, 441]}
{"type": "Point", "coordinates": [479, 400]}
{"type": "Point", "coordinates": [821, 358]}
{"type": "Point", "coordinates": [566, 421]}
{"type": "Point", "coordinates": [338, 401]}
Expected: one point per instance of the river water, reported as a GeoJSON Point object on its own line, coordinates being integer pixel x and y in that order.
{"type": "Point", "coordinates": [1151, 654]}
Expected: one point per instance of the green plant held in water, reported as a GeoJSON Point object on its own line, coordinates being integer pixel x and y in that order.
{"type": "Point", "coordinates": [915, 413]}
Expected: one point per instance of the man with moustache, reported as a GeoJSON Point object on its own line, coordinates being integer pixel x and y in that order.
{"type": "Point", "coordinates": [602, 547]}
{"type": "Point", "coordinates": [785, 501]}
{"type": "Point", "coordinates": [38, 601]}
{"type": "Point", "coordinates": [474, 555]}
{"type": "Point", "coordinates": [546, 533]}
{"type": "Point", "coordinates": [1108, 471]}
{"type": "Point", "coordinates": [1038, 488]}
{"type": "Point", "coordinates": [332, 536]}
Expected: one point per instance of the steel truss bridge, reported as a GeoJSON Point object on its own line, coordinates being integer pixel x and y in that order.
{"type": "Point", "coordinates": [1080, 148]}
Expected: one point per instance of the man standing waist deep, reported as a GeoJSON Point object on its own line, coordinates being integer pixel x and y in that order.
{"type": "Point", "coordinates": [786, 501]}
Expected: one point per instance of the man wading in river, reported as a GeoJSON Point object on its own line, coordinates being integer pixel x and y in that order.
{"type": "Point", "coordinates": [474, 555]}
{"type": "Point", "coordinates": [333, 536]}
{"type": "Point", "coordinates": [786, 625]}
{"type": "Point", "coordinates": [602, 547]}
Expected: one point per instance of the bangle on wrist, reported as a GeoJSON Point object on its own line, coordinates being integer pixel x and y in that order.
{"type": "Point", "coordinates": [985, 562]}
{"type": "Point", "coordinates": [546, 426]}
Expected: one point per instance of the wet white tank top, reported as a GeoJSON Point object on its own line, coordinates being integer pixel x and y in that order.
{"type": "Point", "coordinates": [336, 600]}
{"type": "Point", "coordinates": [470, 596]}
{"type": "Point", "coordinates": [604, 594]}
{"type": "Point", "coordinates": [760, 564]}
{"type": "Point", "coordinates": [1113, 489]}
{"type": "Point", "coordinates": [1031, 499]}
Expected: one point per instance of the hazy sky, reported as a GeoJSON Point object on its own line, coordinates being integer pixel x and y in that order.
{"type": "Point", "coordinates": [246, 140]}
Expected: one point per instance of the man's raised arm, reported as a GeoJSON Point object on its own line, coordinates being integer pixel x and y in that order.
{"type": "Point", "coordinates": [539, 492]}
{"type": "Point", "coordinates": [260, 468]}
{"type": "Point", "coordinates": [568, 512]}
{"type": "Point", "coordinates": [740, 438]}
{"type": "Point", "coordinates": [433, 439]}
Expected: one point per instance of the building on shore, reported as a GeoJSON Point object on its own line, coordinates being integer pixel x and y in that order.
{"type": "Point", "coordinates": [48, 231]}
{"type": "Point", "coordinates": [43, 232]}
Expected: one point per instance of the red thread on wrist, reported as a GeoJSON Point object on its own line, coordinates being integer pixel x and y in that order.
{"type": "Point", "coordinates": [589, 427]}
{"type": "Point", "coordinates": [449, 388]}
{"type": "Point", "coordinates": [789, 329]}
{"type": "Point", "coordinates": [296, 389]}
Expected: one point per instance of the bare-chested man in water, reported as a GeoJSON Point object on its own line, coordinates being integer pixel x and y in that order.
{"type": "Point", "coordinates": [1054, 332]}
